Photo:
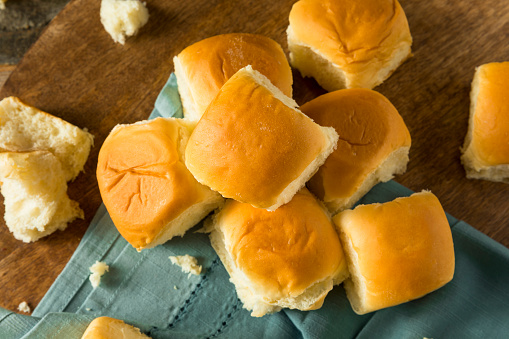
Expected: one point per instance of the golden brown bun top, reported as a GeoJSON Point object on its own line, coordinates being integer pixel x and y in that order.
{"type": "Point", "coordinates": [490, 138]}
{"type": "Point", "coordinates": [349, 32]}
{"type": "Point", "coordinates": [143, 181]}
{"type": "Point", "coordinates": [248, 145]}
{"type": "Point", "coordinates": [211, 62]}
{"type": "Point", "coordinates": [405, 247]}
{"type": "Point", "coordinates": [369, 129]}
{"type": "Point", "coordinates": [285, 251]}
{"type": "Point", "coordinates": [110, 328]}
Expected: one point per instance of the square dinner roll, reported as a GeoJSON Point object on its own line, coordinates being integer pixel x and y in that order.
{"type": "Point", "coordinates": [396, 252]}
{"type": "Point", "coordinates": [204, 67]}
{"type": "Point", "coordinates": [373, 145]}
{"type": "Point", "coordinates": [348, 43]}
{"type": "Point", "coordinates": [34, 187]}
{"type": "Point", "coordinates": [289, 258]}
{"type": "Point", "coordinates": [111, 328]}
{"type": "Point", "coordinates": [254, 146]}
{"type": "Point", "coordinates": [486, 148]}
{"type": "Point", "coordinates": [145, 186]}
{"type": "Point", "coordinates": [26, 128]}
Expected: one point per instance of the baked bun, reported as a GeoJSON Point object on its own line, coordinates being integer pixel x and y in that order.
{"type": "Point", "coordinates": [110, 328]}
{"type": "Point", "coordinates": [348, 43]}
{"type": "Point", "coordinates": [145, 186]}
{"type": "Point", "coordinates": [396, 252]}
{"type": "Point", "coordinates": [204, 67]}
{"type": "Point", "coordinates": [35, 194]}
{"type": "Point", "coordinates": [486, 148]}
{"type": "Point", "coordinates": [289, 258]}
{"type": "Point", "coordinates": [26, 128]}
{"type": "Point", "coordinates": [254, 146]}
{"type": "Point", "coordinates": [373, 145]}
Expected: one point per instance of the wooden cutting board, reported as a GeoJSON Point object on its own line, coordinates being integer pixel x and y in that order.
{"type": "Point", "coordinates": [75, 71]}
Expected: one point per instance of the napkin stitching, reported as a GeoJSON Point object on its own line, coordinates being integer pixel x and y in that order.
{"type": "Point", "coordinates": [184, 308]}
{"type": "Point", "coordinates": [225, 322]}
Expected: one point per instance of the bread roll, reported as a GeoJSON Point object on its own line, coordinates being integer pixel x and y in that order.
{"type": "Point", "coordinates": [150, 195]}
{"type": "Point", "coordinates": [373, 145]}
{"type": "Point", "coordinates": [396, 252]}
{"type": "Point", "coordinates": [110, 328]}
{"type": "Point", "coordinates": [204, 67]}
{"type": "Point", "coordinates": [288, 258]}
{"type": "Point", "coordinates": [486, 148]}
{"type": "Point", "coordinates": [254, 146]}
{"type": "Point", "coordinates": [26, 128]}
{"type": "Point", "coordinates": [35, 194]}
{"type": "Point", "coordinates": [348, 43]}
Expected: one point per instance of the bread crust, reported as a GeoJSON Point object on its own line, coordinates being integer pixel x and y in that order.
{"type": "Point", "coordinates": [287, 258]}
{"type": "Point", "coordinates": [348, 43]}
{"type": "Point", "coordinates": [253, 146]}
{"type": "Point", "coordinates": [205, 66]}
{"type": "Point", "coordinates": [486, 148]}
{"type": "Point", "coordinates": [149, 193]}
{"type": "Point", "coordinates": [396, 252]}
{"type": "Point", "coordinates": [373, 145]}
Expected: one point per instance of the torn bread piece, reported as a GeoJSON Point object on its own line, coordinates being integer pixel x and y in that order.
{"type": "Point", "coordinates": [97, 270]}
{"type": "Point", "coordinates": [189, 264]}
{"type": "Point", "coordinates": [35, 194]}
{"type": "Point", "coordinates": [123, 18]}
{"type": "Point", "coordinates": [23, 307]}
{"type": "Point", "coordinates": [26, 128]}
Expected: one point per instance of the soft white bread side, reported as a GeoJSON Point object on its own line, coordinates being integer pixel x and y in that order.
{"type": "Point", "coordinates": [348, 43]}
{"type": "Point", "coordinates": [110, 328]}
{"type": "Point", "coordinates": [289, 258]}
{"type": "Point", "coordinates": [145, 186]}
{"type": "Point", "coordinates": [373, 145]}
{"type": "Point", "coordinates": [35, 194]}
{"type": "Point", "coordinates": [123, 18]}
{"type": "Point", "coordinates": [396, 252]}
{"type": "Point", "coordinates": [204, 67]}
{"type": "Point", "coordinates": [486, 148]}
{"type": "Point", "coordinates": [26, 128]}
{"type": "Point", "coordinates": [254, 146]}
{"type": "Point", "coordinates": [2, 4]}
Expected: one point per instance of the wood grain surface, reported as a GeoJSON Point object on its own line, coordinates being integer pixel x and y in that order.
{"type": "Point", "coordinates": [76, 72]}
{"type": "Point", "coordinates": [5, 71]}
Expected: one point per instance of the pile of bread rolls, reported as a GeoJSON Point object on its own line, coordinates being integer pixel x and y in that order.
{"type": "Point", "coordinates": [282, 178]}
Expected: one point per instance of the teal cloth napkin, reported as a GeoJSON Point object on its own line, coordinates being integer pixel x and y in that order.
{"type": "Point", "coordinates": [146, 290]}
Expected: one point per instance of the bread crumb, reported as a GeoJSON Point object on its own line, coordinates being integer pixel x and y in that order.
{"type": "Point", "coordinates": [88, 309]}
{"type": "Point", "coordinates": [23, 307]}
{"type": "Point", "coordinates": [188, 264]}
{"type": "Point", "coordinates": [123, 18]}
{"type": "Point", "coordinates": [175, 287]}
{"type": "Point", "coordinates": [98, 269]}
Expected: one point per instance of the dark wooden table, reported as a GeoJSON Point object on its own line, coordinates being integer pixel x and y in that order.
{"type": "Point", "coordinates": [76, 72]}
